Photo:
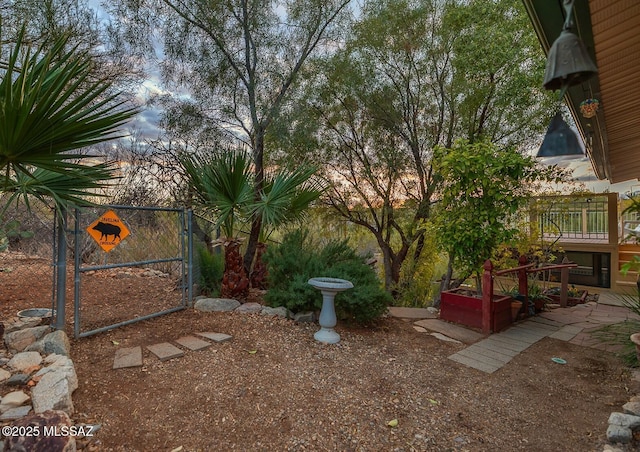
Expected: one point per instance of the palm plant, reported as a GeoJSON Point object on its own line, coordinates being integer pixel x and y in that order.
{"type": "Point", "coordinates": [48, 109]}
{"type": "Point", "coordinates": [222, 184]}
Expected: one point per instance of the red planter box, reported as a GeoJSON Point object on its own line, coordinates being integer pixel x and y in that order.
{"type": "Point", "coordinates": [457, 307]}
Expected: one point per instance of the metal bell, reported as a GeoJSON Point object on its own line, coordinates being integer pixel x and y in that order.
{"type": "Point", "coordinates": [568, 62]}
{"type": "Point", "coordinates": [559, 140]}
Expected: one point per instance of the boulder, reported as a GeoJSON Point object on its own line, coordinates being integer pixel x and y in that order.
{"type": "Point", "coordinates": [280, 311]}
{"type": "Point", "coordinates": [619, 434]}
{"type": "Point", "coordinates": [249, 308]}
{"type": "Point", "coordinates": [304, 317]}
{"type": "Point", "coordinates": [4, 375]}
{"type": "Point", "coordinates": [63, 365]}
{"type": "Point", "coordinates": [12, 400]}
{"type": "Point", "coordinates": [56, 342]}
{"type": "Point", "coordinates": [18, 323]}
{"type": "Point", "coordinates": [53, 391]}
{"type": "Point", "coordinates": [15, 413]}
{"type": "Point", "coordinates": [624, 420]}
{"type": "Point", "coordinates": [216, 304]}
{"type": "Point", "coordinates": [54, 422]}
{"type": "Point", "coordinates": [17, 341]}
{"type": "Point", "coordinates": [25, 360]}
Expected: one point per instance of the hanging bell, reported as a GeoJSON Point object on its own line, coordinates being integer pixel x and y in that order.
{"type": "Point", "coordinates": [559, 140]}
{"type": "Point", "coordinates": [568, 63]}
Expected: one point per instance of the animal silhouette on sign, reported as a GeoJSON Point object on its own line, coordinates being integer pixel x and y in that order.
{"type": "Point", "coordinates": [106, 230]}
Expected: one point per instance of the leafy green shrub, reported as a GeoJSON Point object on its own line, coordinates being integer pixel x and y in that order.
{"type": "Point", "coordinates": [297, 259]}
{"type": "Point", "coordinates": [211, 270]}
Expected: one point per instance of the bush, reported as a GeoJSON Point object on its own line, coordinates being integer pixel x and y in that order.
{"type": "Point", "coordinates": [211, 267]}
{"type": "Point", "coordinates": [297, 259]}
{"type": "Point", "coordinates": [618, 334]}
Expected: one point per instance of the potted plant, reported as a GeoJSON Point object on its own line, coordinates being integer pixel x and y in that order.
{"type": "Point", "coordinates": [537, 298]}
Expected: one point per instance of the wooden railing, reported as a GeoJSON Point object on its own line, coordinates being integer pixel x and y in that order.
{"type": "Point", "coordinates": [523, 270]}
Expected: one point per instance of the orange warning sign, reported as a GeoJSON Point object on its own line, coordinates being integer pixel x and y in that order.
{"type": "Point", "coordinates": [108, 230]}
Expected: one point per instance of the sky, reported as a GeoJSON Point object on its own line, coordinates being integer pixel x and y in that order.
{"type": "Point", "coordinates": [146, 124]}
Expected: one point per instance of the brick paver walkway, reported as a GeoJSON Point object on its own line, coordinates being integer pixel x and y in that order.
{"type": "Point", "coordinates": [574, 325]}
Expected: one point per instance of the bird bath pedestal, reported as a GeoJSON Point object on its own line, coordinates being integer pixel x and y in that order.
{"type": "Point", "coordinates": [329, 287]}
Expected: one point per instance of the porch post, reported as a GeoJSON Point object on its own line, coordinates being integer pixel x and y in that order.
{"type": "Point", "coordinates": [564, 283]}
{"type": "Point", "coordinates": [523, 283]}
{"type": "Point", "coordinates": [487, 296]}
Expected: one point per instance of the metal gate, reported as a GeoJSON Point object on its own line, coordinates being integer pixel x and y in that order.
{"type": "Point", "coordinates": [130, 264]}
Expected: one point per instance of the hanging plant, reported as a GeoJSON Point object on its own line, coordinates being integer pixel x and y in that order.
{"type": "Point", "coordinates": [589, 107]}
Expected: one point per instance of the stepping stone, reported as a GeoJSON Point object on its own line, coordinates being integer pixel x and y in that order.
{"type": "Point", "coordinates": [193, 343]}
{"type": "Point", "coordinates": [460, 333]}
{"type": "Point", "coordinates": [217, 337]}
{"type": "Point", "coordinates": [442, 337]}
{"type": "Point", "coordinates": [165, 351]}
{"type": "Point", "coordinates": [128, 357]}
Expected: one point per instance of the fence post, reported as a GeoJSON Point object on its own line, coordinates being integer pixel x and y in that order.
{"type": "Point", "coordinates": [523, 283]}
{"type": "Point", "coordinates": [61, 270]}
{"type": "Point", "coordinates": [564, 283]}
{"type": "Point", "coordinates": [487, 296]}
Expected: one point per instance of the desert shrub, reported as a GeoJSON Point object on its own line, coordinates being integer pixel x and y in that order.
{"type": "Point", "coordinates": [618, 334]}
{"type": "Point", "coordinates": [211, 266]}
{"type": "Point", "coordinates": [297, 259]}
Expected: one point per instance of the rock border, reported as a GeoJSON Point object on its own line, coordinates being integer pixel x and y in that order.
{"type": "Point", "coordinates": [36, 361]}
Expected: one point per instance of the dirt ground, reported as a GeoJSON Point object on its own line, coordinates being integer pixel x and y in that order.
{"type": "Point", "coordinates": [273, 387]}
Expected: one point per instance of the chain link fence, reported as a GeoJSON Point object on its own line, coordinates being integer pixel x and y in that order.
{"type": "Point", "coordinates": [132, 268]}
{"type": "Point", "coordinates": [26, 257]}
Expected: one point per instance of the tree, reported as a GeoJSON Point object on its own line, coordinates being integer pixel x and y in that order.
{"type": "Point", "coordinates": [238, 59]}
{"type": "Point", "coordinates": [43, 22]}
{"type": "Point", "coordinates": [413, 76]}
{"type": "Point", "coordinates": [484, 189]}
{"type": "Point", "coordinates": [48, 110]}
{"type": "Point", "coordinates": [223, 187]}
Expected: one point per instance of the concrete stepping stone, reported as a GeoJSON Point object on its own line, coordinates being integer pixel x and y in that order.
{"type": "Point", "coordinates": [460, 333]}
{"type": "Point", "coordinates": [128, 357]}
{"type": "Point", "coordinates": [165, 351]}
{"type": "Point", "coordinates": [193, 343]}
{"type": "Point", "coordinates": [217, 337]}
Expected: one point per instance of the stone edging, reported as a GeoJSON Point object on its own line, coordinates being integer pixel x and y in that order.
{"type": "Point", "coordinates": [36, 362]}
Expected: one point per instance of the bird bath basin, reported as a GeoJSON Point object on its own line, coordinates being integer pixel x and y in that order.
{"type": "Point", "coordinates": [329, 287]}
{"type": "Point", "coordinates": [35, 312]}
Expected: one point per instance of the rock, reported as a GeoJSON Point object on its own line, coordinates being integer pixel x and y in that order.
{"type": "Point", "coordinates": [216, 304]}
{"type": "Point", "coordinates": [54, 421]}
{"type": "Point", "coordinates": [63, 365]}
{"type": "Point", "coordinates": [624, 420]}
{"type": "Point", "coordinates": [4, 375]}
{"type": "Point", "coordinates": [19, 379]}
{"type": "Point", "coordinates": [56, 342]}
{"type": "Point", "coordinates": [12, 400]}
{"type": "Point", "coordinates": [304, 317]}
{"type": "Point", "coordinates": [619, 434]}
{"type": "Point", "coordinates": [18, 323]}
{"type": "Point", "coordinates": [632, 408]}
{"type": "Point", "coordinates": [419, 329]}
{"type": "Point", "coordinates": [280, 311]}
{"type": "Point", "coordinates": [53, 392]}
{"type": "Point", "coordinates": [25, 360]}
{"type": "Point", "coordinates": [15, 413]}
{"type": "Point", "coordinates": [18, 341]}
{"type": "Point", "coordinates": [610, 448]}
{"type": "Point", "coordinates": [249, 308]}
{"type": "Point", "coordinates": [444, 338]}
{"type": "Point", "coordinates": [433, 310]}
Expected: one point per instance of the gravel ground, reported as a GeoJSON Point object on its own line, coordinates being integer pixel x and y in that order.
{"type": "Point", "coordinates": [274, 388]}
